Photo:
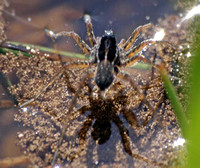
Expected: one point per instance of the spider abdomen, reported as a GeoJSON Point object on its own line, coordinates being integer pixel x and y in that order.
{"type": "Point", "coordinates": [104, 75]}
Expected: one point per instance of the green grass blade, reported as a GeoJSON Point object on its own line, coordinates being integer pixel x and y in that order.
{"type": "Point", "coordinates": [182, 120]}
{"type": "Point", "coordinates": [194, 109]}
{"type": "Point", "coordinates": [50, 50]}
{"type": "Point", "coordinates": [4, 50]}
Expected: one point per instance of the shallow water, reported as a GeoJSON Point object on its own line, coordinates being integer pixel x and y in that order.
{"type": "Point", "coordinates": [121, 17]}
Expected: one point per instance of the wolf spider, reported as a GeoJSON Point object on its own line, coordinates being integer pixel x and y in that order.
{"type": "Point", "coordinates": [107, 57]}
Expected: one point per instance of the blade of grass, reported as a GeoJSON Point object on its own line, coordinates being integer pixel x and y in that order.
{"type": "Point", "coordinates": [182, 120]}
{"type": "Point", "coordinates": [194, 109]}
{"type": "Point", "coordinates": [49, 50]}
{"type": "Point", "coordinates": [4, 50]}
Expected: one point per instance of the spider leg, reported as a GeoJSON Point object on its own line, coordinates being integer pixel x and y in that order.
{"type": "Point", "coordinates": [126, 77]}
{"type": "Point", "coordinates": [85, 48]}
{"type": "Point", "coordinates": [80, 64]}
{"type": "Point", "coordinates": [135, 50]}
{"type": "Point", "coordinates": [90, 32]}
{"type": "Point", "coordinates": [134, 60]}
{"type": "Point", "coordinates": [71, 88]}
{"type": "Point", "coordinates": [121, 44]}
{"type": "Point", "coordinates": [82, 137]}
{"type": "Point", "coordinates": [68, 118]}
{"type": "Point", "coordinates": [134, 35]}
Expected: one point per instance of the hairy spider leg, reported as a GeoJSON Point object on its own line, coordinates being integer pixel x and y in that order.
{"type": "Point", "coordinates": [134, 60]}
{"type": "Point", "coordinates": [89, 27]}
{"type": "Point", "coordinates": [70, 110]}
{"type": "Point", "coordinates": [85, 48]}
{"type": "Point", "coordinates": [134, 36]}
{"type": "Point", "coordinates": [71, 88]}
{"type": "Point", "coordinates": [80, 64]}
{"type": "Point", "coordinates": [121, 44]}
{"type": "Point", "coordinates": [132, 51]}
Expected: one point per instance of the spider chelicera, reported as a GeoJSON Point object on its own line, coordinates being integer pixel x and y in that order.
{"type": "Point", "coordinates": [108, 57]}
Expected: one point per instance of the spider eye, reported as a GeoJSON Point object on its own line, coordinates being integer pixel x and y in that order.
{"type": "Point", "coordinates": [109, 33]}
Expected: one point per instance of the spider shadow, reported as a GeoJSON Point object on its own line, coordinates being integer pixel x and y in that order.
{"type": "Point", "coordinates": [106, 120]}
